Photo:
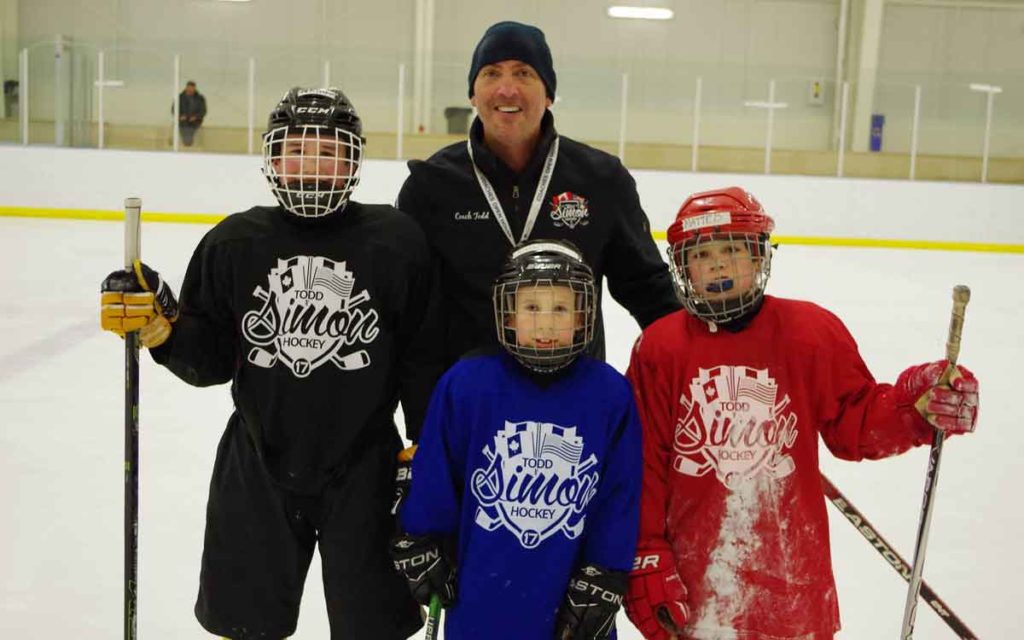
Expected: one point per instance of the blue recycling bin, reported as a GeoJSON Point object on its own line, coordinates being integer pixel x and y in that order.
{"type": "Point", "coordinates": [877, 124]}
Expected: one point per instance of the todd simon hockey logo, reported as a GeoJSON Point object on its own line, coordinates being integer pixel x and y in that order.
{"type": "Point", "coordinates": [734, 425]}
{"type": "Point", "coordinates": [569, 210]}
{"type": "Point", "coordinates": [534, 484]}
{"type": "Point", "coordinates": [310, 317]}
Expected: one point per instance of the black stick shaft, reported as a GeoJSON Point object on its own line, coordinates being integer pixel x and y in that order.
{"type": "Point", "coordinates": [132, 214]}
{"type": "Point", "coordinates": [131, 482]}
{"type": "Point", "coordinates": [886, 550]}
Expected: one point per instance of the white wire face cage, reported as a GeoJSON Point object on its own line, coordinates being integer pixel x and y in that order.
{"type": "Point", "coordinates": [312, 169]}
{"type": "Point", "coordinates": [718, 269]}
{"type": "Point", "coordinates": [545, 323]}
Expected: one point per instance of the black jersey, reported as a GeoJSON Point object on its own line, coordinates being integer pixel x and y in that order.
{"type": "Point", "coordinates": [591, 201]}
{"type": "Point", "coordinates": [320, 325]}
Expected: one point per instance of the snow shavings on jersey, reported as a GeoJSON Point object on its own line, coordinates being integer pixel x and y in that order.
{"type": "Point", "coordinates": [739, 553]}
{"type": "Point", "coordinates": [736, 544]}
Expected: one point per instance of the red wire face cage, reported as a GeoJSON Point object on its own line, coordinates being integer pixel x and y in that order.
{"type": "Point", "coordinates": [731, 215]}
{"type": "Point", "coordinates": [312, 151]}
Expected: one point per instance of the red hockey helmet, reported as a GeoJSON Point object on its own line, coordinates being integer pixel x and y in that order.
{"type": "Point", "coordinates": [731, 214]}
{"type": "Point", "coordinates": [729, 210]}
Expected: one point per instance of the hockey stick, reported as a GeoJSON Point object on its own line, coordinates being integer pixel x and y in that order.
{"type": "Point", "coordinates": [433, 618]}
{"type": "Point", "coordinates": [961, 295]}
{"type": "Point", "coordinates": [902, 567]}
{"type": "Point", "coordinates": [132, 215]}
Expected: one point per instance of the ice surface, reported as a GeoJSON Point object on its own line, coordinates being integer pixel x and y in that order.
{"type": "Point", "coordinates": [61, 440]}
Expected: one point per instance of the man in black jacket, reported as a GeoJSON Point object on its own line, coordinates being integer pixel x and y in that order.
{"type": "Point", "coordinates": [191, 111]}
{"type": "Point", "coordinates": [517, 179]}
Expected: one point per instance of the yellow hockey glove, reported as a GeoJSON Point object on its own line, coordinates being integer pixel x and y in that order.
{"type": "Point", "coordinates": [138, 300]}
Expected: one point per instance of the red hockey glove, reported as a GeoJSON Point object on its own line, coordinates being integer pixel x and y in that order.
{"type": "Point", "coordinates": [656, 600]}
{"type": "Point", "coordinates": [951, 407]}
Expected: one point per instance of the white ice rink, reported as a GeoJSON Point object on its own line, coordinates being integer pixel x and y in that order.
{"type": "Point", "coordinates": [61, 440]}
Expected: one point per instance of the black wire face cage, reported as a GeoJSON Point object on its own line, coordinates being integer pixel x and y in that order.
{"type": "Point", "coordinates": [545, 323]}
{"type": "Point", "coordinates": [312, 169]}
{"type": "Point", "coordinates": [710, 301]}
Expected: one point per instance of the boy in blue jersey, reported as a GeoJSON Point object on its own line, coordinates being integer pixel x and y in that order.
{"type": "Point", "coordinates": [523, 514]}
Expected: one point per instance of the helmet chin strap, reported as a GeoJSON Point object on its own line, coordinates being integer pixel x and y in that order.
{"type": "Point", "coordinates": [727, 309]}
{"type": "Point", "coordinates": [718, 317]}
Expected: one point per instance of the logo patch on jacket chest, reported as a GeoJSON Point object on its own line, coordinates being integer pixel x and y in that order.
{"type": "Point", "coordinates": [570, 210]}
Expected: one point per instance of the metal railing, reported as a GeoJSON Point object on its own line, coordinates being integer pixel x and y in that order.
{"type": "Point", "coordinates": [692, 110]}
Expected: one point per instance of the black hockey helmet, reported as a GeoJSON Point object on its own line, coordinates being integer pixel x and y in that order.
{"type": "Point", "coordinates": [545, 304]}
{"type": "Point", "coordinates": [315, 172]}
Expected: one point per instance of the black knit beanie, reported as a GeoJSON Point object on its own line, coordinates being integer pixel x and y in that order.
{"type": "Point", "coordinates": [514, 41]}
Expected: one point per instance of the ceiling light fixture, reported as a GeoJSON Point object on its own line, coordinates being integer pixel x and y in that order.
{"type": "Point", "coordinates": [640, 13]}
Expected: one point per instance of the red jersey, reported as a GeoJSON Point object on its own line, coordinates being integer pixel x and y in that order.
{"type": "Point", "coordinates": [731, 480]}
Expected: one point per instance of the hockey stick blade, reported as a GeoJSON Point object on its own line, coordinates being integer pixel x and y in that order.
{"type": "Point", "coordinates": [895, 560]}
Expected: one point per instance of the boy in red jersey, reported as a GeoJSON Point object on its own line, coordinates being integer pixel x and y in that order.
{"type": "Point", "coordinates": [733, 393]}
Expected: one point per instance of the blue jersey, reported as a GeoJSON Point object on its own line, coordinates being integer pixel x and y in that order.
{"type": "Point", "coordinates": [530, 482]}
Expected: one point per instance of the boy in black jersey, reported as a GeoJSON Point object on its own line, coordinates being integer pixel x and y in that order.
{"type": "Point", "coordinates": [318, 312]}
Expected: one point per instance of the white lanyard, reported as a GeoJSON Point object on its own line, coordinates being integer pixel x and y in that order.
{"type": "Point", "coordinates": [538, 196]}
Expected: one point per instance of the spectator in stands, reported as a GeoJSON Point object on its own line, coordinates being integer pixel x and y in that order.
{"type": "Point", "coordinates": [191, 111]}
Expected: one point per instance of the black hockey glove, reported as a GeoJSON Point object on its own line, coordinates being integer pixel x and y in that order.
{"type": "Point", "coordinates": [593, 599]}
{"type": "Point", "coordinates": [420, 560]}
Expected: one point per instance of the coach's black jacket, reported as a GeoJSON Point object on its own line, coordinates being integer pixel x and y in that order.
{"type": "Point", "coordinates": [443, 194]}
